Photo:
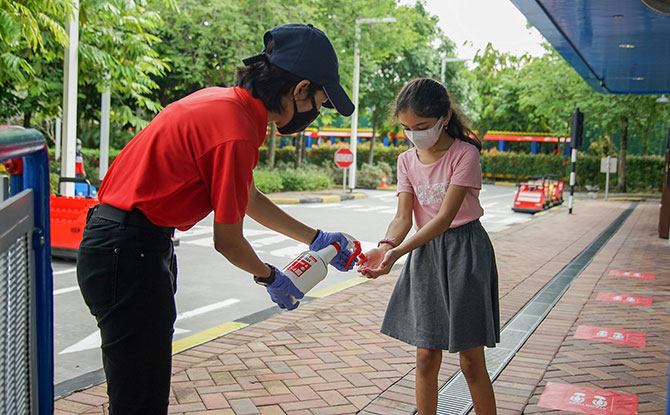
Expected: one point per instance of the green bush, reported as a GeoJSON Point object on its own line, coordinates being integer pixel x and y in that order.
{"type": "Point", "coordinates": [369, 176]}
{"type": "Point", "coordinates": [308, 179]}
{"type": "Point", "coordinates": [519, 164]}
{"type": "Point", "coordinates": [318, 171]}
{"type": "Point", "coordinates": [267, 181]}
{"type": "Point", "coordinates": [643, 173]}
{"type": "Point", "coordinates": [388, 169]}
{"type": "Point", "coordinates": [286, 178]}
{"type": "Point", "coordinates": [91, 163]}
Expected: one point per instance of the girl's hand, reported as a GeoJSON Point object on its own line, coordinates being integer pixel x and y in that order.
{"type": "Point", "coordinates": [372, 259]}
{"type": "Point", "coordinates": [384, 267]}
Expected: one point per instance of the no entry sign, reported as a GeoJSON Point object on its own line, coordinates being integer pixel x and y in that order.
{"type": "Point", "coordinates": [587, 400]}
{"type": "Point", "coordinates": [632, 274]}
{"type": "Point", "coordinates": [624, 299]}
{"type": "Point", "coordinates": [344, 158]}
{"type": "Point", "coordinates": [609, 335]}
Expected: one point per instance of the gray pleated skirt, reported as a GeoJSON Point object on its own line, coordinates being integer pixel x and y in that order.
{"type": "Point", "coordinates": [447, 294]}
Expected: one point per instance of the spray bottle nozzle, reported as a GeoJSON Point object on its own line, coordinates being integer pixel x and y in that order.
{"type": "Point", "coordinates": [357, 251]}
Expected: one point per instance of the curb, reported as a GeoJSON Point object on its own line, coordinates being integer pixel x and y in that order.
{"type": "Point", "coordinates": [317, 199]}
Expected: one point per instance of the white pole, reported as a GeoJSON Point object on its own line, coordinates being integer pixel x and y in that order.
{"type": "Point", "coordinates": [354, 116]}
{"type": "Point", "coordinates": [104, 131]}
{"type": "Point", "coordinates": [607, 178]}
{"type": "Point", "coordinates": [70, 68]}
{"type": "Point", "coordinates": [58, 135]}
{"type": "Point", "coordinates": [443, 69]}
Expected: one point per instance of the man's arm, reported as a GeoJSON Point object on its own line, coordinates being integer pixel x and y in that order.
{"type": "Point", "coordinates": [262, 210]}
{"type": "Point", "coordinates": [230, 242]}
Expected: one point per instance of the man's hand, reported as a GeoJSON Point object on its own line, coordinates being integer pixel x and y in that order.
{"type": "Point", "coordinates": [283, 291]}
{"type": "Point", "coordinates": [323, 239]}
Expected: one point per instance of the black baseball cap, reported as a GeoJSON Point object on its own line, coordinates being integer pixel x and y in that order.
{"type": "Point", "coordinates": [305, 51]}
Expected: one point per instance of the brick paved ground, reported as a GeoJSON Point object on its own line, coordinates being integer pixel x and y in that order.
{"type": "Point", "coordinates": [328, 357]}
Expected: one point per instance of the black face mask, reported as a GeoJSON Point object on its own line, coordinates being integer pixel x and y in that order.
{"type": "Point", "coordinates": [300, 120]}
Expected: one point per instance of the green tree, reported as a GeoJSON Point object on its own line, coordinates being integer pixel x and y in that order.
{"type": "Point", "coordinates": [25, 25]}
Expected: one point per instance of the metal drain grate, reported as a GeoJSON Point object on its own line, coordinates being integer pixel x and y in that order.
{"type": "Point", "coordinates": [454, 396]}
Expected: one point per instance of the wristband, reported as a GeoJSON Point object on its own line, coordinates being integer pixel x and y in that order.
{"type": "Point", "coordinates": [267, 281]}
{"type": "Point", "coordinates": [387, 241]}
{"type": "Point", "coordinates": [318, 231]}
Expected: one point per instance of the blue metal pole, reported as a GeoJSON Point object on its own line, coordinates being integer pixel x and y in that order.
{"type": "Point", "coordinates": [385, 141]}
{"type": "Point", "coordinates": [533, 147]}
{"type": "Point", "coordinates": [36, 177]}
{"type": "Point", "coordinates": [15, 184]}
{"type": "Point", "coordinates": [501, 146]}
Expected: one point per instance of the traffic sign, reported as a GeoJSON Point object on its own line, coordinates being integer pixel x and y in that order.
{"type": "Point", "coordinates": [344, 158]}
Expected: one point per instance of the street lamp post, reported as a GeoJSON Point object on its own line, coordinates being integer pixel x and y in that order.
{"type": "Point", "coordinates": [354, 116]}
{"type": "Point", "coordinates": [444, 66]}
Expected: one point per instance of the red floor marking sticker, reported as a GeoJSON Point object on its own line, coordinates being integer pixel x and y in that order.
{"type": "Point", "coordinates": [624, 299]}
{"type": "Point", "coordinates": [632, 274]}
{"type": "Point", "coordinates": [587, 400]}
{"type": "Point", "coordinates": [604, 334]}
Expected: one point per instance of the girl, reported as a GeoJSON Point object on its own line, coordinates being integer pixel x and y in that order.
{"type": "Point", "coordinates": [446, 297]}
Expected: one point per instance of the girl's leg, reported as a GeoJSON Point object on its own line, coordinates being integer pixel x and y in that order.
{"type": "Point", "coordinates": [428, 363]}
{"type": "Point", "coordinates": [473, 366]}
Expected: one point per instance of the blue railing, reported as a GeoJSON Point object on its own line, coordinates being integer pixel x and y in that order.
{"type": "Point", "coordinates": [29, 144]}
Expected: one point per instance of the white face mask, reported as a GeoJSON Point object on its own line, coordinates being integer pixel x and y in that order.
{"type": "Point", "coordinates": [425, 139]}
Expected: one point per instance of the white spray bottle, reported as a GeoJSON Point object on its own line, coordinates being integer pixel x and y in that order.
{"type": "Point", "coordinates": [311, 267]}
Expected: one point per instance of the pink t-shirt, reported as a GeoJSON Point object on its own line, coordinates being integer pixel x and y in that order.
{"type": "Point", "coordinates": [428, 182]}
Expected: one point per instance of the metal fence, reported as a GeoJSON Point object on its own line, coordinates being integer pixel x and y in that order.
{"type": "Point", "coordinates": [26, 301]}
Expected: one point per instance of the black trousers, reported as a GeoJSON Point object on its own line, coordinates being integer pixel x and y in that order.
{"type": "Point", "coordinates": [127, 273]}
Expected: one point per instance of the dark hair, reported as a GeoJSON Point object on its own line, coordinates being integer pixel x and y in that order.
{"type": "Point", "coordinates": [430, 99]}
{"type": "Point", "coordinates": [268, 82]}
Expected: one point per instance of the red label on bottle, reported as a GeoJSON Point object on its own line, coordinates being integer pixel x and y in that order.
{"type": "Point", "coordinates": [299, 267]}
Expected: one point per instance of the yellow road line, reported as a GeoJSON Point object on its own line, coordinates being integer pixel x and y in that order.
{"type": "Point", "coordinates": [338, 287]}
{"type": "Point", "coordinates": [205, 336]}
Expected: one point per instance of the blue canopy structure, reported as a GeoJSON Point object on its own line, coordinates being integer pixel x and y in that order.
{"type": "Point", "coordinates": [617, 46]}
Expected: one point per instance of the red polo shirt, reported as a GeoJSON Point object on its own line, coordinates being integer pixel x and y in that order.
{"type": "Point", "coordinates": [196, 156]}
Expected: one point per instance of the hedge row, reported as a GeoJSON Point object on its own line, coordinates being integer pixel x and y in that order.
{"type": "Point", "coordinates": [644, 173]}
{"type": "Point", "coordinates": [325, 154]}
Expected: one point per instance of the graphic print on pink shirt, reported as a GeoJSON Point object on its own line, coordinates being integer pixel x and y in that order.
{"type": "Point", "coordinates": [428, 182]}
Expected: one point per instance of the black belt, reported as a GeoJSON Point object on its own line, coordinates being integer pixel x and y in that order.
{"type": "Point", "coordinates": [125, 217]}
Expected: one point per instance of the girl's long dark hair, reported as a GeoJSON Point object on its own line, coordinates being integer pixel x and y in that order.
{"type": "Point", "coordinates": [430, 99]}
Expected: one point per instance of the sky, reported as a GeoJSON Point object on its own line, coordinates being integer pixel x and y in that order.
{"type": "Point", "coordinates": [481, 21]}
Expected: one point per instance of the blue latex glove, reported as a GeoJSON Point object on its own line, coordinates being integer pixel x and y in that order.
{"type": "Point", "coordinates": [282, 289]}
{"type": "Point", "coordinates": [323, 239]}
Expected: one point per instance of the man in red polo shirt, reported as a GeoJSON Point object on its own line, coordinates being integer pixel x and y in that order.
{"type": "Point", "coordinates": [197, 156]}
